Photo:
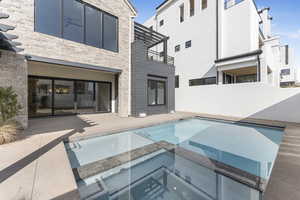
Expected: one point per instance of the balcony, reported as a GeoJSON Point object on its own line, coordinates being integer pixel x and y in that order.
{"type": "Point", "coordinates": [159, 57]}
{"type": "Point", "coordinates": [152, 39]}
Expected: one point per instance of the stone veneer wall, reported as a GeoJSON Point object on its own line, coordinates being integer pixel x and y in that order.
{"type": "Point", "coordinates": [13, 72]}
{"type": "Point", "coordinates": [38, 44]}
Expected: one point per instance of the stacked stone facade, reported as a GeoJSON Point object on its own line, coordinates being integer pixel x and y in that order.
{"type": "Point", "coordinates": [38, 44]}
{"type": "Point", "coordinates": [13, 73]}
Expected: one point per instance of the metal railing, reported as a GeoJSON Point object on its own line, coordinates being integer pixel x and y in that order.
{"type": "Point", "coordinates": [231, 3]}
{"type": "Point", "coordinates": [159, 57]}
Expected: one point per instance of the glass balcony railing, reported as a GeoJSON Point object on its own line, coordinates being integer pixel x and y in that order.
{"type": "Point", "coordinates": [159, 57]}
{"type": "Point", "coordinates": [231, 3]}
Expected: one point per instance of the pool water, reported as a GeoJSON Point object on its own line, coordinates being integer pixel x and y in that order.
{"type": "Point", "coordinates": [247, 147]}
{"type": "Point", "coordinates": [163, 175]}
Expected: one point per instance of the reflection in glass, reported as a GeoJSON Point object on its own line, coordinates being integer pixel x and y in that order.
{"type": "Point", "coordinates": [73, 20]}
{"type": "Point", "coordinates": [85, 96]}
{"type": "Point", "coordinates": [110, 32]}
{"type": "Point", "coordinates": [104, 97]}
{"type": "Point", "coordinates": [39, 97]}
{"type": "Point", "coordinates": [63, 97]}
{"type": "Point", "coordinates": [93, 25]}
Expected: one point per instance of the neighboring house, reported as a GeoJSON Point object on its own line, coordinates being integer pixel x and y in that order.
{"type": "Point", "coordinates": [219, 42]}
{"type": "Point", "coordinates": [77, 59]}
{"type": "Point", "coordinates": [288, 72]}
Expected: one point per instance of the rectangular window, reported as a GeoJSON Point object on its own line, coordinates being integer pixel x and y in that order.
{"type": "Point", "coordinates": [181, 13]}
{"type": "Point", "coordinates": [161, 23]}
{"type": "Point", "coordinates": [110, 33]}
{"type": "Point", "coordinates": [48, 17]}
{"type": "Point", "coordinates": [188, 44]}
{"type": "Point", "coordinates": [177, 48]}
{"type": "Point", "coordinates": [203, 81]}
{"type": "Point", "coordinates": [204, 4]}
{"type": "Point", "coordinates": [176, 81]}
{"type": "Point", "coordinates": [287, 54]}
{"type": "Point", "coordinates": [285, 72]}
{"type": "Point", "coordinates": [93, 27]}
{"type": "Point", "coordinates": [77, 21]}
{"type": "Point", "coordinates": [73, 21]}
{"type": "Point", "coordinates": [156, 92]}
{"type": "Point", "coordinates": [192, 8]}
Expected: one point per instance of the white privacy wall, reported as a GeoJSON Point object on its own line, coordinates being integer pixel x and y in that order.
{"type": "Point", "coordinates": [248, 100]}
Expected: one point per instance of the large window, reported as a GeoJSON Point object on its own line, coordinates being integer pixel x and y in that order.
{"type": "Point", "coordinates": [77, 21]}
{"type": "Point", "coordinates": [156, 92]}
{"type": "Point", "coordinates": [110, 34]}
{"type": "Point", "coordinates": [73, 20]}
{"type": "Point", "coordinates": [48, 17]}
{"type": "Point", "coordinates": [203, 81]}
{"type": "Point", "coordinates": [93, 34]}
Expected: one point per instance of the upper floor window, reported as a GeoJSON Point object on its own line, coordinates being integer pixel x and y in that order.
{"type": "Point", "coordinates": [177, 48]}
{"type": "Point", "coordinates": [204, 4]}
{"type": "Point", "coordinates": [161, 23]}
{"type": "Point", "coordinates": [188, 44]}
{"type": "Point", "coordinates": [181, 8]}
{"type": "Point", "coordinates": [151, 27]}
{"type": "Point", "coordinates": [48, 17]}
{"type": "Point", "coordinates": [77, 21]}
{"type": "Point", "coordinates": [285, 72]}
{"type": "Point", "coordinates": [286, 54]}
{"type": "Point", "coordinates": [192, 8]}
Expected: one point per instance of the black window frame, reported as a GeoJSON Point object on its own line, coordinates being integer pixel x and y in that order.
{"type": "Point", "coordinates": [203, 81]}
{"type": "Point", "coordinates": [177, 48]}
{"type": "Point", "coordinates": [285, 72]}
{"type": "Point", "coordinates": [60, 35]}
{"type": "Point", "coordinates": [156, 92]}
{"type": "Point", "coordinates": [188, 44]}
{"type": "Point", "coordinates": [192, 8]}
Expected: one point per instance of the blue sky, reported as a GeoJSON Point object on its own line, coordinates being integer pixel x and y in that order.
{"type": "Point", "coordinates": [286, 15]}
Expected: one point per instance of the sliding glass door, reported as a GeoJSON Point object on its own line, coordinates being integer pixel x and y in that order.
{"type": "Point", "coordinates": [104, 97]}
{"type": "Point", "coordinates": [64, 97]}
{"type": "Point", "coordinates": [39, 97]}
{"type": "Point", "coordinates": [51, 96]}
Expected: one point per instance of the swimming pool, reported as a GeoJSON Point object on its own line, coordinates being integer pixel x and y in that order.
{"type": "Point", "coordinates": [247, 149]}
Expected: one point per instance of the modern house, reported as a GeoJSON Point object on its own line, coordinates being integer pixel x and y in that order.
{"type": "Point", "coordinates": [77, 59]}
{"type": "Point", "coordinates": [219, 42]}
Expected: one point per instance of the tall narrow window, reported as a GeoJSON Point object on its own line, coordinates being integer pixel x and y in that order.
{"type": "Point", "coordinates": [287, 54]}
{"type": "Point", "coordinates": [93, 27]}
{"type": "Point", "coordinates": [48, 17]}
{"type": "Point", "coordinates": [110, 33]}
{"type": "Point", "coordinates": [181, 13]}
{"type": "Point", "coordinates": [73, 21]}
{"type": "Point", "coordinates": [204, 4]}
{"type": "Point", "coordinates": [161, 23]}
{"type": "Point", "coordinates": [177, 81]}
{"type": "Point", "coordinates": [192, 7]}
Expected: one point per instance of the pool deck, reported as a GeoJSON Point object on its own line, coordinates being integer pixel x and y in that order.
{"type": "Point", "coordinates": [38, 167]}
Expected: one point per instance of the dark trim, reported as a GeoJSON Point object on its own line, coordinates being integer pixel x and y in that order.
{"type": "Point", "coordinates": [258, 69]}
{"type": "Point", "coordinates": [253, 53]}
{"type": "Point", "coordinates": [202, 79]}
{"type": "Point", "coordinates": [66, 79]}
{"type": "Point", "coordinates": [163, 3]}
{"type": "Point", "coordinates": [156, 76]}
{"type": "Point", "coordinates": [71, 64]}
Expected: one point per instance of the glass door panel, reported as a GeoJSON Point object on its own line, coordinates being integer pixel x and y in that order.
{"type": "Point", "coordinates": [103, 97]}
{"type": "Point", "coordinates": [39, 97]}
{"type": "Point", "coordinates": [64, 97]}
{"type": "Point", "coordinates": [85, 96]}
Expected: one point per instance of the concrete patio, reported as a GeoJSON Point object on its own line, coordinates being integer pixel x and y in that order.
{"type": "Point", "coordinates": [38, 168]}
